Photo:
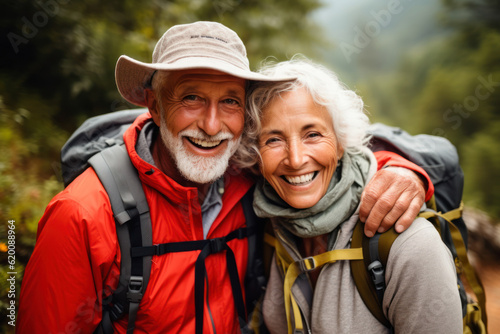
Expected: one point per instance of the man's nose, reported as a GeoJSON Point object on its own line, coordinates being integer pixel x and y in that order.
{"type": "Point", "coordinates": [296, 154]}
{"type": "Point", "coordinates": [210, 121]}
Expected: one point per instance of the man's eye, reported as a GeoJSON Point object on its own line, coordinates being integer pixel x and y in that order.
{"type": "Point", "coordinates": [231, 102]}
{"type": "Point", "coordinates": [191, 98]}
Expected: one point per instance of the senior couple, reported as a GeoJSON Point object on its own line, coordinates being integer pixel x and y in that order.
{"type": "Point", "coordinates": [211, 122]}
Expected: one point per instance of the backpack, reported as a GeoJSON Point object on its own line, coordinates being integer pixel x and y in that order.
{"type": "Point", "coordinates": [438, 157]}
{"type": "Point", "coordinates": [98, 143]}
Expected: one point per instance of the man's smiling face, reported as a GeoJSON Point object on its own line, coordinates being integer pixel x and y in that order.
{"type": "Point", "coordinates": [201, 121]}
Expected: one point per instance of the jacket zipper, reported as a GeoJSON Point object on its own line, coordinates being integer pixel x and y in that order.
{"type": "Point", "coordinates": [208, 307]}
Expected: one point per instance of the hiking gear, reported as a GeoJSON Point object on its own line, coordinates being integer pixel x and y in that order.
{"type": "Point", "coordinates": [168, 202]}
{"type": "Point", "coordinates": [440, 160]}
{"type": "Point", "coordinates": [334, 301]}
{"type": "Point", "coordinates": [129, 204]}
{"type": "Point", "coordinates": [93, 136]}
{"type": "Point", "coordinates": [120, 179]}
{"type": "Point", "coordinates": [133, 229]}
{"type": "Point", "coordinates": [204, 44]}
{"type": "Point", "coordinates": [294, 268]}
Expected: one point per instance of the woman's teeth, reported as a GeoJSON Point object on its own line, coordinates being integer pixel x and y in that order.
{"type": "Point", "coordinates": [296, 180]}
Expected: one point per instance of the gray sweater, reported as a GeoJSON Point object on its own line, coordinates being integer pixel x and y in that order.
{"type": "Point", "coordinates": [421, 294]}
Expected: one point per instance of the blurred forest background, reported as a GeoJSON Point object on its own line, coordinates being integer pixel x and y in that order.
{"type": "Point", "coordinates": [426, 66]}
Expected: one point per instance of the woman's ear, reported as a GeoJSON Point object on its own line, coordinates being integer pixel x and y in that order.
{"type": "Point", "coordinates": [340, 150]}
{"type": "Point", "coordinates": [152, 105]}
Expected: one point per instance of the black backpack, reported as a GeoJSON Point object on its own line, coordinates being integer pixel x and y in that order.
{"type": "Point", "coordinates": [98, 143]}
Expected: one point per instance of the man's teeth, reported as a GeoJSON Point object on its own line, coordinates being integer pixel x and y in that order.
{"type": "Point", "coordinates": [300, 179]}
{"type": "Point", "coordinates": [205, 143]}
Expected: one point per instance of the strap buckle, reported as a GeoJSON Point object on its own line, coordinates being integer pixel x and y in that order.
{"type": "Point", "coordinates": [377, 274]}
{"type": "Point", "coordinates": [217, 245]}
{"type": "Point", "coordinates": [134, 294]}
{"type": "Point", "coordinates": [307, 264]}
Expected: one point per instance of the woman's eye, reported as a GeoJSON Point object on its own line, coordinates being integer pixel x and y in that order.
{"type": "Point", "coordinates": [272, 141]}
{"type": "Point", "coordinates": [313, 135]}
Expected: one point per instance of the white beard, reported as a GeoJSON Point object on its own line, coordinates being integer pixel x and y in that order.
{"type": "Point", "coordinates": [193, 167]}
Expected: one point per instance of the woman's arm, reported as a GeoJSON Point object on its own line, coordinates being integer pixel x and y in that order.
{"type": "Point", "coordinates": [421, 294]}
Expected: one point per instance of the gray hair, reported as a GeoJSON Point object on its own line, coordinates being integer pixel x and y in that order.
{"type": "Point", "coordinates": [350, 122]}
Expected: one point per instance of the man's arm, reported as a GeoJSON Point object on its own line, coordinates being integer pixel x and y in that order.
{"type": "Point", "coordinates": [62, 286]}
{"type": "Point", "coordinates": [394, 195]}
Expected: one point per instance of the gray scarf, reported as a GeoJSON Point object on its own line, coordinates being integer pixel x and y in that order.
{"type": "Point", "coordinates": [335, 207]}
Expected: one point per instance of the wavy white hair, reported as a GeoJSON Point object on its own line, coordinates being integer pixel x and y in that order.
{"type": "Point", "coordinates": [346, 108]}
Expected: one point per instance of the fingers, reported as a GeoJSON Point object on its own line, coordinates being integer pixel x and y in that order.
{"type": "Point", "coordinates": [409, 215]}
{"type": "Point", "coordinates": [393, 196]}
{"type": "Point", "coordinates": [378, 212]}
{"type": "Point", "coordinates": [394, 211]}
{"type": "Point", "coordinates": [374, 206]}
{"type": "Point", "coordinates": [371, 195]}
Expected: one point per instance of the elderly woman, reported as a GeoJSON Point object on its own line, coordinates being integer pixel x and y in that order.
{"type": "Point", "coordinates": [310, 146]}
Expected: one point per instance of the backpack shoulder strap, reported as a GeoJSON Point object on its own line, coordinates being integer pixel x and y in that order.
{"type": "Point", "coordinates": [369, 274]}
{"type": "Point", "coordinates": [291, 269]}
{"type": "Point", "coordinates": [133, 227]}
{"type": "Point", "coordinates": [255, 279]}
{"type": "Point", "coordinates": [459, 251]}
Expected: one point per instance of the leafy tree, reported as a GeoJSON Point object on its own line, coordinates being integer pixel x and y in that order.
{"type": "Point", "coordinates": [459, 97]}
{"type": "Point", "coordinates": [482, 163]}
{"type": "Point", "coordinates": [449, 85]}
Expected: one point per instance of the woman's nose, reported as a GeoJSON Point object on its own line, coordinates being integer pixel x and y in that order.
{"type": "Point", "coordinates": [296, 154]}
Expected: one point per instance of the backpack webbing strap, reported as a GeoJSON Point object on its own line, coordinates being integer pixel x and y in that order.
{"type": "Point", "coordinates": [269, 239]}
{"type": "Point", "coordinates": [292, 269]}
{"type": "Point", "coordinates": [255, 278]}
{"type": "Point", "coordinates": [375, 268]}
{"type": "Point", "coordinates": [207, 247]}
{"type": "Point", "coordinates": [473, 319]}
{"type": "Point", "coordinates": [463, 265]}
{"type": "Point", "coordinates": [133, 226]}
{"type": "Point", "coordinates": [363, 278]}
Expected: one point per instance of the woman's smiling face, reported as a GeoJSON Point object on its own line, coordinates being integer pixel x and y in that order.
{"type": "Point", "coordinates": [299, 148]}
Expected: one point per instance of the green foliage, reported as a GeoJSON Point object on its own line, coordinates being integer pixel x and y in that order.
{"type": "Point", "coordinates": [449, 86]}
{"type": "Point", "coordinates": [26, 186]}
{"type": "Point", "coordinates": [482, 163]}
{"type": "Point", "coordinates": [460, 100]}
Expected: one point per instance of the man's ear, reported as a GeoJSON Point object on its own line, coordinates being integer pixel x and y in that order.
{"type": "Point", "coordinates": [152, 105]}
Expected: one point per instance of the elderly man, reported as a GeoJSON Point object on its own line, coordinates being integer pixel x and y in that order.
{"type": "Point", "coordinates": [182, 149]}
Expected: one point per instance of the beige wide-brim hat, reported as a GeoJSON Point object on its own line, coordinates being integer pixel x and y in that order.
{"type": "Point", "coordinates": [199, 45]}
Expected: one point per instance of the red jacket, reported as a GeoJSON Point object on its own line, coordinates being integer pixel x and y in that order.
{"type": "Point", "coordinates": [77, 257]}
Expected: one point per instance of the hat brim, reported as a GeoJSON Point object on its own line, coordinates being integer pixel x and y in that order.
{"type": "Point", "coordinates": [133, 76]}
